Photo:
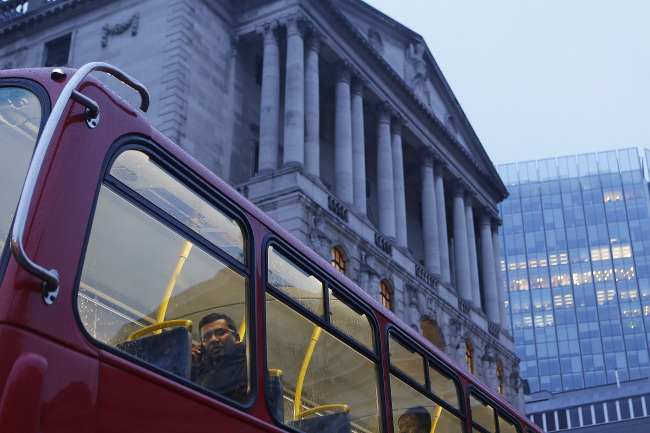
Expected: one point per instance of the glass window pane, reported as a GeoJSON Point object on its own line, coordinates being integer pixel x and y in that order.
{"type": "Point", "coordinates": [356, 325]}
{"type": "Point", "coordinates": [298, 284]}
{"type": "Point", "coordinates": [506, 426]}
{"type": "Point", "coordinates": [410, 408]}
{"type": "Point", "coordinates": [320, 376]}
{"type": "Point", "coordinates": [138, 272]}
{"type": "Point", "coordinates": [20, 120]}
{"type": "Point", "coordinates": [138, 172]}
{"type": "Point", "coordinates": [482, 414]}
{"type": "Point", "coordinates": [443, 387]}
{"type": "Point", "coordinates": [408, 361]}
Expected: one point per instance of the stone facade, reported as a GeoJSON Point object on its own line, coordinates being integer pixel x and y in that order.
{"type": "Point", "coordinates": [337, 122]}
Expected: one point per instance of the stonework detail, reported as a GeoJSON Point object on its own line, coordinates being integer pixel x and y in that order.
{"type": "Point", "coordinates": [415, 72]}
{"type": "Point", "coordinates": [375, 40]}
{"type": "Point", "coordinates": [320, 242]}
{"type": "Point", "coordinates": [120, 28]}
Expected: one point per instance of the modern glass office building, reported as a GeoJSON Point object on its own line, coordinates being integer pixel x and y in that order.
{"type": "Point", "coordinates": [575, 250]}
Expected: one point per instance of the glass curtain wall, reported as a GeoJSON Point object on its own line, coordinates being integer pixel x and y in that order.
{"type": "Point", "coordinates": [575, 246]}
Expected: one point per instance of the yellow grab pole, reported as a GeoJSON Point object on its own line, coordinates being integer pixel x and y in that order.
{"type": "Point", "coordinates": [185, 251]}
{"type": "Point", "coordinates": [297, 405]}
{"type": "Point", "coordinates": [436, 415]}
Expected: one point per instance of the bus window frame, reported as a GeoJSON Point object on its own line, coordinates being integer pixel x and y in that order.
{"type": "Point", "coordinates": [307, 265]}
{"type": "Point", "coordinates": [429, 359]}
{"type": "Point", "coordinates": [499, 411]}
{"type": "Point", "coordinates": [212, 196]}
{"type": "Point", "coordinates": [46, 108]}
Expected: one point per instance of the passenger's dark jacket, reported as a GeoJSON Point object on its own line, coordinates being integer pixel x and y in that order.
{"type": "Point", "coordinates": [228, 376]}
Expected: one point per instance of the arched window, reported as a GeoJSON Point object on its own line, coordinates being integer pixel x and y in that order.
{"type": "Point", "coordinates": [386, 292]}
{"type": "Point", "coordinates": [431, 332]}
{"type": "Point", "coordinates": [500, 386]}
{"type": "Point", "coordinates": [469, 356]}
{"type": "Point", "coordinates": [338, 259]}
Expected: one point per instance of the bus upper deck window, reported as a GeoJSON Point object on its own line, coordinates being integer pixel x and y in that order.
{"type": "Point", "coordinates": [407, 360]}
{"type": "Point", "coordinates": [20, 120]}
{"type": "Point", "coordinates": [318, 380]}
{"type": "Point", "coordinates": [142, 274]}
{"type": "Point", "coordinates": [139, 173]}
{"type": "Point", "coordinates": [298, 284]}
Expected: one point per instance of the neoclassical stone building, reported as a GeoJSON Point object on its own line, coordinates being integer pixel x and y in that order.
{"type": "Point", "coordinates": [336, 121]}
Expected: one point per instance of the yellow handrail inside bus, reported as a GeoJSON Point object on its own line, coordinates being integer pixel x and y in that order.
{"type": "Point", "coordinates": [297, 404]}
{"type": "Point", "coordinates": [185, 251]}
{"type": "Point", "coordinates": [436, 415]}
{"type": "Point", "coordinates": [305, 413]}
{"type": "Point", "coordinates": [242, 328]}
{"type": "Point", "coordinates": [160, 326]}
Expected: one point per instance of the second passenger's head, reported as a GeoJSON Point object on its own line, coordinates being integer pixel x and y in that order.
{"type": "Point", "coordinates": [218, 335]}
{"type": "Point", "coordinates": [415, 420]}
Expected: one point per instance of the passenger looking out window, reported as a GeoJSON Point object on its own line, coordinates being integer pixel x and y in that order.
{"type": "Point", "coordinates": [219, 362]}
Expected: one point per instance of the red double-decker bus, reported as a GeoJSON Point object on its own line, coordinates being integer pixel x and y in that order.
{"type": "Point", "coordinates": [141, 293]}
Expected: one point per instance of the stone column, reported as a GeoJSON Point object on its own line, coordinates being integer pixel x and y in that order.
{"type": "Point", "coordinates": [499, 276]}
{"type": "Point", "coordinates": [439, 168]}
{"type": "Point", "coordinates": [270, 105]}
{"type": "Point", "coordinates": [489, 278]}
{"type": "Point", "coordinates": [358, 147]}
{"type": "Point", "coordinates": [312, 106]}
{"type": "Point", "coordinates": [471, 248]}
{"type": "Point", "coordinates": [294, 93]}
{"type": "Point", "coordinates": [385, 193]}
{"type": "Point", "coordinates": [343, 136]}
{"type": "Point", "coordinates": [429, 214]}
{"type": "Point", "coordinates": [234, 100]}
{"type": "Point", "coordinates": [461, 253]}
{"type": "Point", "coordinates": [398, 183]}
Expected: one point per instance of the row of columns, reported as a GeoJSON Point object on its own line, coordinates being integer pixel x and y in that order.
{"type": "Point", "coordinates": [436, 252]}
{"type": "Point", "coordinates": [301, 146]}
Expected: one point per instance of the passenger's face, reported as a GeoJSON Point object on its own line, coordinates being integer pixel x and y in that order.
{"type": "Point", "coordinates": [221, 341]}
{"type": "Point", "coordinates": [407, 424]}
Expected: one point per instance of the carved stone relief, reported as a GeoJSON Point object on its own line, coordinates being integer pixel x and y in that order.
{"type": "Point", "coordinates": [375, 40]}
{"type": "Point", "coordinates": [416, 74]}
{"type": "Point", "coordinates": [120, 28]}
{"type": "Point", "coordinates": [320, 242]}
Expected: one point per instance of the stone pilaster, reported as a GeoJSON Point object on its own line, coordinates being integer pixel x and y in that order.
{"type": "Point", "coordinates": [343, 136]}
{"type": "Point", "coordinates": [499, 276]}
{"type": "Point", "coordinates": [312, 106]}
{"type": "Point", "coordinates": [471, 249]}
{"type": "Point", "coordinates": [385, 190]}
{"type": "Point", "coordinates": [294, 99]}
{"type": "Point", "coordinates": [270, 100]}
{"type": "Point", "coordinates": [489, 278]}
{"type": "Point", "coordinates": [438, 169]}
{"type": "Point", "coordinates": [461, 253]}
{"type": "Point", "coordinates": [358, 147]}
{"type": "Point", "coordinates": [398, 182]}
{"type": "Point", "coordinates": [429, 214]}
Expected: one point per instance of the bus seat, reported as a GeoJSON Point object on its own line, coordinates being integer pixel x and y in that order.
{"type": "Point", "coordinates": [169, 350]}
{"type": "Point", "coordinates": [338, 422]}
{"type": "Point", "coordinates": [275, 393]}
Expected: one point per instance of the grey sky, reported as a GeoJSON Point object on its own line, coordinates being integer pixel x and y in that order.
{"type": "Point", "coordinates": [543, 78]}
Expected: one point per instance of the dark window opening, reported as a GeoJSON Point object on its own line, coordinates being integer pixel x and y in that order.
{"type": "Point", "coordinates": [57, 51]}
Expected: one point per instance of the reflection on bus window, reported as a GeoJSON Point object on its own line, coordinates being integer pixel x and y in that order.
{"type": "Point", "coordinates": [344, 318]}
{"type": "Point", "coordinates": [145, 290]}
{"type": "Point", "coordinates": [20, 119]}
{"type": "Point", "coordinates": [324, 384]}
{"type": "Point", "coordinates": [135, 170]}
{"type": "Point", "coordinates": [302, 287]}
{"type": "Point", "coordinates": [482, 414]}
{"type": "Point", "coordinates": [406, 360]}
{"type": "Point", "coordinates": [412, 409]}
{"type": "Point", "coordinates": [443, 387]}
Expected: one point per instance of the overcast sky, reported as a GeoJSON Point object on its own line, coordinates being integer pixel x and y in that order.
{"type": "Point", "coordinates": [541, 78]}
